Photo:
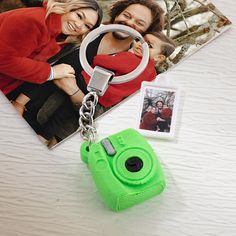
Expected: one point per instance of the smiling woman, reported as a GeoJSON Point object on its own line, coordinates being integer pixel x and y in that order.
{"type": "Point", "coordinates": [78, 22]}
{"type": "Point", "coordinates": [77, 16]}
{"type": "Point", "coordinates": [76, 7]}
{"type": "Point", "coordinates": [40, 33]}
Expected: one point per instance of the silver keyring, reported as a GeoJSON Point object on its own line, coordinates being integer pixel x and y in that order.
{"type": "Point", "coordinates": [111, 28]}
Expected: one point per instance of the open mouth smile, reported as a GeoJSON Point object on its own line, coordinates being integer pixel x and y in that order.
{"type": "Point", "coordinates": [71, 27]}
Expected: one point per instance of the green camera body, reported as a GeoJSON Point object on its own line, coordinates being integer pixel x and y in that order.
{"type": "Point", "coordinates": [125, 169]}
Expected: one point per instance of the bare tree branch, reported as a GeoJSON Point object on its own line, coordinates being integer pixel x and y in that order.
{"type": "Point", "coordinates": [181, 12]}
{"type": "Point", "coordinates": [168, 25]}
{"type": "Point", "coordinates": [181, 53]}
{"type": "Point", "coordinates": [193, 12]}
{"type": "Point", "coordinates": [212, 9]}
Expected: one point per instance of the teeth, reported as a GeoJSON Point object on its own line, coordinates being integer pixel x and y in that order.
{"type": "Point", "coordinates": [71, 26]}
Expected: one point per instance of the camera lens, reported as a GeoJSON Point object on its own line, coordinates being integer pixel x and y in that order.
{"type": "Point", "coordinates": [134, 164]}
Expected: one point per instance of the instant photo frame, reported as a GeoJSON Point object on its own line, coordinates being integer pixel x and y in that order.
{"type": "Point", "coordinates": [157, 116]}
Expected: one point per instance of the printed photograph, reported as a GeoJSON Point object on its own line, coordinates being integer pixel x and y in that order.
{"type": "Point", "coordinates": [158, 114]}
{"type": "Point", "coordinates": [40, 70]}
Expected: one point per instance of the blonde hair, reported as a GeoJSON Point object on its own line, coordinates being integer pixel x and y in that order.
{"type": "Point", "coordinates": [65, 6]}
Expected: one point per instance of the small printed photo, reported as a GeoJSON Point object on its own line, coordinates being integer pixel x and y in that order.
{"type": "Point", "coordinates": [157, 116]}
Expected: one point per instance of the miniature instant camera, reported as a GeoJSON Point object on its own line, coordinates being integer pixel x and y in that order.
{"type": "Point", "coordinates": [125, 169]}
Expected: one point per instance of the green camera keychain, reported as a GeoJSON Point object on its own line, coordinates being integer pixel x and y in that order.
{"type": "Point", "coordinates": [125, 169]}
{"type": "Point", "coordinates": [124, 166]}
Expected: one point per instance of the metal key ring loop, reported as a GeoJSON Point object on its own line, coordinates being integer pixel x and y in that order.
{"type": "Point", "coordinates": [111, 28]}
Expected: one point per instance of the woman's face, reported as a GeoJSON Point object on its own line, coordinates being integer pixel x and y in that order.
{"type": "Point", "coordinates": [136, 16]}
{"type": "Point", "coordinates": [153, 110]}
{"type": "Point", "coordinates": [149, 108]}
{"type": "Point", "coordinates": [78, 22]}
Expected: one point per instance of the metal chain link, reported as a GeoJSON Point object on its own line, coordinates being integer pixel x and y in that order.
{"type": "Point", "coordinates": [86, 123]}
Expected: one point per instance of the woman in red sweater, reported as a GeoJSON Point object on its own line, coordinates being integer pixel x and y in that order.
{"type": "Point", "coordinates": [30, 36]}
{"type": "Point", "coordinates": [149, 120]}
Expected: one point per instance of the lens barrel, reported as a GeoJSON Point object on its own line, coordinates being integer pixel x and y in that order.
{"type": "Point", "coordinates": [134, 164]}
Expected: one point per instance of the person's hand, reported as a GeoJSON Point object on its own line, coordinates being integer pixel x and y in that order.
{"type": "Point", "coordinates": [68, 85]}
{"type": "Point", "coordinates": [19, 107]}
{"type": "Point", "coordinates": [63, 71]}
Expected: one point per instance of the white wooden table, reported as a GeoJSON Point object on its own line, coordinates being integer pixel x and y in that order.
{"type": "Point", "coordinates": [47, 193]}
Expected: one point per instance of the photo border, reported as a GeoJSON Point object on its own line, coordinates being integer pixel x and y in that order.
{"type": "Point", "coordinates": [160, 86]}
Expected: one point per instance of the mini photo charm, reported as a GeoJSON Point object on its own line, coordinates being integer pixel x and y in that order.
{"type": "Point", "coordinates": [158, 109]}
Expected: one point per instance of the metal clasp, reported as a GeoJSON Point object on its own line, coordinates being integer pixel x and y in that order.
{"type": "Point", "coordinates": [99, 80]}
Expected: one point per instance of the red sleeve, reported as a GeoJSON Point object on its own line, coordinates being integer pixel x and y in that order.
{"type": "Point", "coordinates": [117, 92]}
{"type": "Point", "coordinates": [166, 113]}
{"type": "Point", "coordinates": [149, 119]}
{"type": "Point", "coordinates": [20, 38]}
{"type": "Point", "coordinates": [121, 64]}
